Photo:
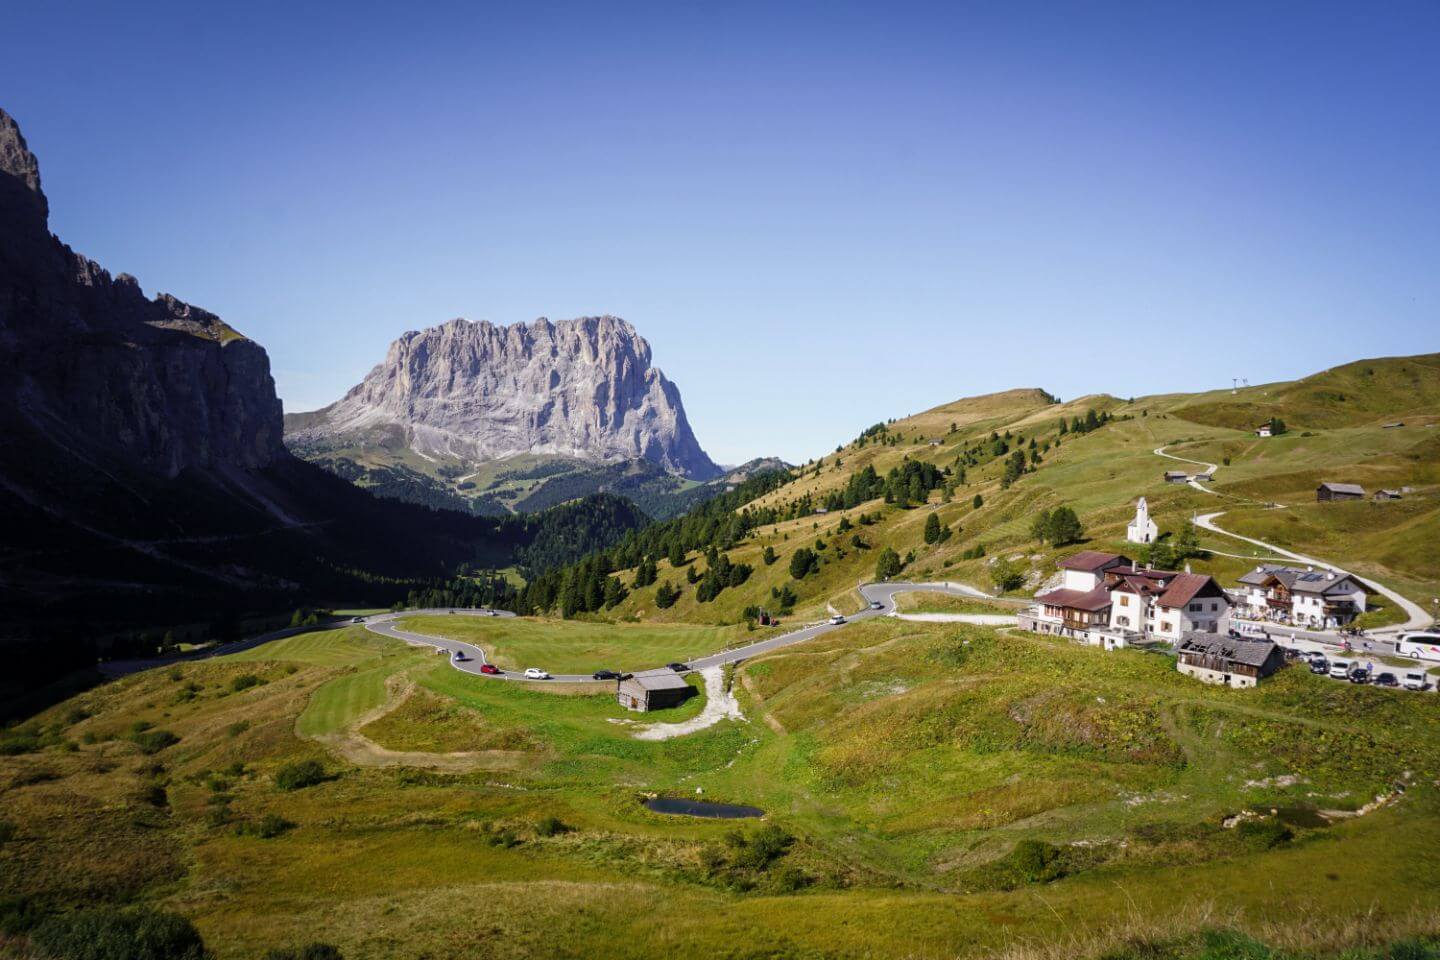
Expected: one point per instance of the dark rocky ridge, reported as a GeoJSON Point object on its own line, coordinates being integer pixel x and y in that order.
{"type": "Point", "coordinates": [89, 361]}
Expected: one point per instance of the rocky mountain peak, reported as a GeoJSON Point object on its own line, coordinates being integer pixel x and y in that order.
{"type": "Point", "coordinates": [19, 171]}
{"type": "Point", "coordinates": [89, 362]}
{"type": "Point", "coordinates": [582, 388]}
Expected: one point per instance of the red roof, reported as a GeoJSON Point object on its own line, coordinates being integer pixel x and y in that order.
{"type": "Point", "coordinates": [1089, 561]}
{"type": "Point", "coordinates": [1185, 587]}
{"type": "Point", "coordinates": [1087, 600]}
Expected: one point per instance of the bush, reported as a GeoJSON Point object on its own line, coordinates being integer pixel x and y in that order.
{"type": "Point", "coordinates": [550, 827]}
{"type": "Point", "coordinates": [499, 836]}
{"type": "Point", "coordinates": [297, 776]}
{"type": "Point", "coordinates": [14, 744]}
{"type": "Point", "coordinates": [311, 951]}
{"type": "Point", "coordinates": [75, 714]}
{"type": "Point", "coordinates": [237, 728]}
{"type": "Point", "coordinates": [108, 934]}
{"type": "Point", "coordinates": [244, 682]}
{"type": "Point", "coordinates": [267, 827]}
{"type": "Point", "coordinates": [1263, 834]}
{"type": "Point", "coordinates": [18, 915]}
{"type": "Point", "coordinates": [153, 741]}
{"type": "Point", "coordinates": [7, 831]}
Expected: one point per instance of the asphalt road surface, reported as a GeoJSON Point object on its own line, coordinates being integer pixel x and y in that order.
{"type": "Point", "coordinates": [882, 594]}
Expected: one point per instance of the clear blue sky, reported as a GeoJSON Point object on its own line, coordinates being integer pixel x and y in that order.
{"type": "Point", "coordinates": [820, 216]}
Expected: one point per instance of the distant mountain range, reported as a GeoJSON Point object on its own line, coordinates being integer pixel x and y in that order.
{"type": "Point", "coordinates": [501, 419]}
{"type": "Point", "coordinates": [143, 477]}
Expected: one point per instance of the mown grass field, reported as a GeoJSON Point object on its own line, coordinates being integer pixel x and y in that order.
{"type": "Point", "coordinates": [578, 646]}
{"type": "Point", "coordinates": [909, 762]}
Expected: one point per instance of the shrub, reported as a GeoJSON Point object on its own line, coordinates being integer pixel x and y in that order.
{"type": "Point", "coordinates": [75, 714]}
{"type": "Point", "coordinates": [244, 682]}
{"type": "Point", "coordinates": [237, 728]}
{"type": "Point", "coordinates": [154, 795]}
{"type": "Point", "coordinates": [153, 741]}
{"type": "Point", "coordinates": [18, 915]}
{"type": "Point", "coordinates": [498, 836]}
{"type": "Point", "coordinates": [140, 726]}
{"type": "Point", "coordinates": [550, 827]}
{"type": "Point", "coordinates": [311, 951]}
{"type": "Point", "coordinates": [1264, 833]}
{"type": "Point", "coordinates": [7, 831]}
{"type": "Point", "coordinates": [14, 744]}
{"type": "Point", "coordinates": [297, 776]}
{"type": "Point", "coordinates": [267, 827]}
{"type": "Point", "coordinates": [108, 934]}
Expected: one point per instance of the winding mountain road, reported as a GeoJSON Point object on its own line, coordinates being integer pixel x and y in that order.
{"type": "Point", "coordinates": [882, 594]}
{"type": "Point", "coordinates": [1417, 618]}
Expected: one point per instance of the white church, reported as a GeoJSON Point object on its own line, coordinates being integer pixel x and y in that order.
{"type": "Point", "coordinates": [1142, 529]}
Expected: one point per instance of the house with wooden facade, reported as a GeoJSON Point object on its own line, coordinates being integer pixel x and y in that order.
{"type": "Point", "coordinates": [1176, 476]}
{"type": "Point", "coordinates": [1300, 596]}
{"type": "Point", "coordinates": [1227, 661]}
{"type": "Point", "coordinates": [652, 690]}
{"type": "Point", "coordinates": [1339, 491]}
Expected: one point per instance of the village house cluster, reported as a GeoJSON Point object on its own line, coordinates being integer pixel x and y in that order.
{"type": "Point", "coordinates": [1106, 600]}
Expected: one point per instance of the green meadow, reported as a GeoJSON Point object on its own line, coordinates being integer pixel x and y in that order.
{"type": "Point", "coordinates": [578, 646]}
{"type": "Point", "coordinates": [975, 782]}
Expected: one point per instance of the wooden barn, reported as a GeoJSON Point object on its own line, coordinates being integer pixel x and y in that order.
{"type": "Point", "coordinates": [652, 690]}
{"type": "Point", "coordinates": [1339, 491]}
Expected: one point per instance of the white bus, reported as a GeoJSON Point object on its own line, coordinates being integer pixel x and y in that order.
{"type": "Point", "coordinates": [1421, 646]}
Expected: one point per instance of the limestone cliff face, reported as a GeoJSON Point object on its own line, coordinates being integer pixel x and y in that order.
{"type": "Point", "coordinates": [88, 361]}
{"type": "Point", "coordinates": [581, 388]}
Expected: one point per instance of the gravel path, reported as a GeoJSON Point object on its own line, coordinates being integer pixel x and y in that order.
{"type": "Point", "coordinates": [719, 704]}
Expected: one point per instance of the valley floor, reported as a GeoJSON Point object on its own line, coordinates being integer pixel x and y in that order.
{"type": "Point", "coordinates": [930, 790]}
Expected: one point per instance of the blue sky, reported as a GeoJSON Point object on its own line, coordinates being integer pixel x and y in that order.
{"type": "Point", "coordinates": [820, 215]}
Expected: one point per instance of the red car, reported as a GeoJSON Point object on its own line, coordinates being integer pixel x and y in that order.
{"type": "Point", "coordinates": [489, 668]}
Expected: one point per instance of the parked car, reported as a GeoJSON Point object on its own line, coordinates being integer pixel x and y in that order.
{"type": "Point", "coordinates": [1340, 669]}
{"type": "Point", "coordinates": [1359, 675]}
{"type": "Point", "coordinates": [459, 656]}
{"type": "Point", "coordinates": [605, 675]}
{"type": "Point", "coordinates": [1414, 681]}
{"type": "Point", "coordinates": [837, 619]}
{"type": "Point", "coordinates": [441, 650]}
{"type": "Point", "coordinates": [678, 667]}
{"type": "Point", "coordinates": [876, 605]}
{"type": "Point", "coordinates": [492, 613]}
{"type": "Point", "coordinates": [358, 620]}
{"type": "Point", "coordinates": [535, 673]}
{"type": "Point", "coordinates": [1320, 666]}
{"type": "Point", "coordinates": [489, 668]}
{"type": "Point", "coordinates": [1385, 680]}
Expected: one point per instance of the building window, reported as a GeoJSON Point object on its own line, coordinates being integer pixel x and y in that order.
{"type": "Point", "coordinates": [1166, 628]}
{"type": "Point", "coordinates": [1124, 600]}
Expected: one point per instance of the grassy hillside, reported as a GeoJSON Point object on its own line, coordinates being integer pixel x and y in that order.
{"type": "Point", "coordinates": [1101, 473]}
{"type": "Point", "coordinates": [977, 784]}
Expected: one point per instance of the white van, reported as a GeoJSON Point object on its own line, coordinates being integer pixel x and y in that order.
{"type": "Point", "coordinates": [1340, 669]}
{"type": "Point", "coordinates": [1413, 681]}
{"type": "Point", "coordinates": [1420, 646]}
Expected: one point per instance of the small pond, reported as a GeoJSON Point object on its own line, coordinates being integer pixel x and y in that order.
{"type": "Point", "coordinates": [702, 808]}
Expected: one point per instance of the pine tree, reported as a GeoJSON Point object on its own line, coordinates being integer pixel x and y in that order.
{"type": "Point", "coordinates": [769, 556]}
{"type": "Point", "coordinates": [932, 528]}
{"type": "Point", "coordinates": [887, 564]}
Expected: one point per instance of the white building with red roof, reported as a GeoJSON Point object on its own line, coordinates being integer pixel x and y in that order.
{"type": "Point", "coordinates": [1107, 601]}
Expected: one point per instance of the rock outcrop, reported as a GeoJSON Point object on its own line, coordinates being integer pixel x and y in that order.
{"type": "Point", "coordinates": [89, 362]}
{"type": "Point", "coordinates": [475, 391]}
